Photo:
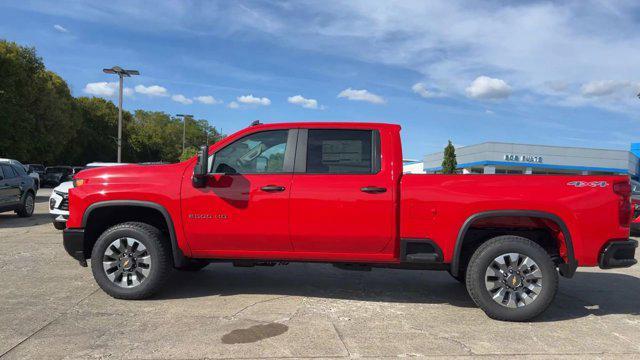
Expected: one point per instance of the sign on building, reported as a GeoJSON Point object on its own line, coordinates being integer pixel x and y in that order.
{"type": "Point", "coordinates": [523, 158]}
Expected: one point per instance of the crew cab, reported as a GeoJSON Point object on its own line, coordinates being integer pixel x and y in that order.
{"type": "Point", "coordinates": [336, 193]}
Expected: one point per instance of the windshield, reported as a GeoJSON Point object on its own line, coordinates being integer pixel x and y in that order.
{"type": "Point", "coordinates": [36, 167]}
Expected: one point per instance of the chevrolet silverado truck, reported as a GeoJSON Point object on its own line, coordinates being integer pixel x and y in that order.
{"type": "Point", "coordinates": [335, 193]}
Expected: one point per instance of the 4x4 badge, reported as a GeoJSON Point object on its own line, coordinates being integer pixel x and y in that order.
{"type": "Point", "coordinates": [588, 183]}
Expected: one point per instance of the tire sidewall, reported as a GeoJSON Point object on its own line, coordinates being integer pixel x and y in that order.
{"type": "Point", "coordinates": [33, 206]}
{"type": "Point", "coordinates": [22, 211]}
{"type": "Point", "coordinates": [481, 262]}
{"type": "Point", "coordinates": [100, 276]}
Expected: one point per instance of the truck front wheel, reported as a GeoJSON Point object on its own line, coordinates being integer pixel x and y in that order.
{"type": "Point", "coordinates": [131, 260]}
{"type": "Point", "coordinates": [512, 278]}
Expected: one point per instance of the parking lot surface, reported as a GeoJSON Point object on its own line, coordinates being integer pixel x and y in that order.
{"type": "Point", "coordinates": [50, 307]}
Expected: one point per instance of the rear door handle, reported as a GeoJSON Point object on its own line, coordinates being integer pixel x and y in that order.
{"type": "Point", "coordinates": [373, 189]}
{"type": "Point", "coordinates": [272, 188]}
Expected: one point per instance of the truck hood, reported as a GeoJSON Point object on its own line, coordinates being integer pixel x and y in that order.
{"type": "Point", "coordinates": [129, 173]}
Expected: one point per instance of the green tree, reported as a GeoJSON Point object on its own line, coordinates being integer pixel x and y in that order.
{"type": "Point", "coordinates": [38, 115]}
{"type": "Point", "coordinates": [41, 122]}
{"type": "Point", "coordinates": [156, 136]}
{"type": "Point", "coordinates": [188, 153]}
{"type": "Point", "coordinates": [97, 137]}
{"type": "Point", "coordinates": [449, 162]}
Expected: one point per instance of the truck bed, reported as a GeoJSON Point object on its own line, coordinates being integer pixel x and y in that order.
{"type": "Point", "coordinates": [438, 207]}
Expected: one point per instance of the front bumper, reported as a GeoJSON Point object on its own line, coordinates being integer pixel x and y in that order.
{"type": "Point", "coordinates": [73, 241]}
{"type": "Point", "coordinates": [618, 254]}
{"type": "Point", "coordinates": [59, 205]}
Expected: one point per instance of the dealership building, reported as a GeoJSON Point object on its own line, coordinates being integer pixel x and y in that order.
{"type": "Point", "coordinates": [509, 158]}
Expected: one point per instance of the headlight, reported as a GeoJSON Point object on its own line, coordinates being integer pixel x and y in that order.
{"type": "Point", "coordinates": [62, 194]}
{"type": "Point", "coordinates": [79, 182]}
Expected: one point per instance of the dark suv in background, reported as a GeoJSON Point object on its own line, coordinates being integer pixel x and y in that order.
{"type": "Point", "coordinates": [54, 175]}
{"type": "Point", "coordinates": [17, 190]}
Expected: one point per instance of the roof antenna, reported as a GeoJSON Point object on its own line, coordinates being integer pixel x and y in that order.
{"type": "Point", "coordinates": [256, 122]}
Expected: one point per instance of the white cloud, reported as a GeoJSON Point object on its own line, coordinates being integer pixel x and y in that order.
{"type": "Point", "coordinates": [153, 90]}
{"type": "Point", "coordinates": [529, 43]}
{"type": "Point", "coordinates": [182, 99]}
{"type": "Point", "coordinates": [252, 100]}
{"type": "Point", "coordinates": [60, 28]}
{"type": "Point", "coordinates": [484, 87]}
{"type": "Point", "coordinates": [609, 87]}
{"type": "Point", "coordinates": [233, 105]}
{"type": "Point", "coordinates": [207, 99]}
{"type": "Point", "coordinates": [421, 89]}
{"type": "Point", "coordinates": [304, 102]}
{"type": "Point", "coordinates": [361, 95]}
{"type": "Point", "coordinates": [105, 89]}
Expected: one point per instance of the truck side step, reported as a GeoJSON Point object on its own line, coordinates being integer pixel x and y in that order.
{"type": "Point", "coordinates": [423, 257]}
{"type": "Point", "coordinates": [420, 251]}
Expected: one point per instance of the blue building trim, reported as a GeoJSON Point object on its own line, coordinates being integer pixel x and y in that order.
{"type": "Point", "coordinates": [531, 165]}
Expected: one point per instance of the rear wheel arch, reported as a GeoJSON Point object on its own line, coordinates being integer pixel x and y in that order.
{"type": "Point", "coordinates": [567, 269]}
{"type": "Point", "coordinates": [118, 211]}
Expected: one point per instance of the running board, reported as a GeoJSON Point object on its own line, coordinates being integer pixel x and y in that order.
{"type": "Point", "coordinates": [420, 251]}
{"type": "Point", "coordinates": [423, 258]}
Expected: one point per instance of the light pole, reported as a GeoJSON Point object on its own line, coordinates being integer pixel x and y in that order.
{"type": "Point", "coordinates": [121, 74]}
{"type": "Point", "coordinates": [184, 126]}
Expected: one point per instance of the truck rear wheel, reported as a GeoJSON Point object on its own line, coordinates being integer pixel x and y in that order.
{"type": "Point", "coordinates": [512, 278]}
{"type": "Point", "coordinates": [131, 261]}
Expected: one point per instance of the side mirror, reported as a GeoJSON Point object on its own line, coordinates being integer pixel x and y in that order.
{"type": "Point", "coordinates": [199, 179]}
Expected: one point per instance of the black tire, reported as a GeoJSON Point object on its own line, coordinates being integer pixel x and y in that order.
{"type": "Point", "coordinates": [484, 257]}
{"type": "Point", "coordinates": [28, 205]}
{"type": "Point", "coordinates": [59, 225]}
{"type": "Point", "coordinates": [193, 265]}
{"type": "Point", "coordinates": [157, 247]}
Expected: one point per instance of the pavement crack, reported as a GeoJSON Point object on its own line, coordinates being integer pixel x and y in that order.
{"type": "Point", "coordinates": [341, 338]}
{"type": "Point", "coordinates": [257, 303]}
{"type": "Point", "coordinates": [49, 323]}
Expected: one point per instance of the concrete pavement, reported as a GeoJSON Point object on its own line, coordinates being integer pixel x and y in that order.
{"type": "Point", "coordinates": [51, 308]}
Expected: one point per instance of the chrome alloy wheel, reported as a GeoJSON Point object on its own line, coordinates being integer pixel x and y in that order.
{"type": "Point", "coordinates": [513, 280]}
{"type": "Point", "coordinates": [126, 262]}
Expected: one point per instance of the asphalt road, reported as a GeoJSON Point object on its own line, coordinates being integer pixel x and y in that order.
{"type": "Point", "coordinates": [51, 308]}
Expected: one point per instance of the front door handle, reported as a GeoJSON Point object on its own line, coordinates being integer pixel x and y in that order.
{"type": "Point", "coordinates": [272, 188]}
{"type": "Point", "coordinates": [373, 189]}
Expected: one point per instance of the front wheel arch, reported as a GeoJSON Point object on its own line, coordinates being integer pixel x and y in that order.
{"type": "Point", "coordinates": [101, 215]}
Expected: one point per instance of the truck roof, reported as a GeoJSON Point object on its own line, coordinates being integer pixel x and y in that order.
{"type": "Point", "coordinates": [328, 124]}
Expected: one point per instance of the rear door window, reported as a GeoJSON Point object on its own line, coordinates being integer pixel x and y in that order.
{"type": "Point", "coordinates": [341, 152]}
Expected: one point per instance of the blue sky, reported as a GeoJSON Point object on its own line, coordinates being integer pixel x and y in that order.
{"type": "Point", "coordinates": [555, 73]}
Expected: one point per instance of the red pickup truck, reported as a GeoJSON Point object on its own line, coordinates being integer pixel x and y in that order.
{"type": "Point", "coordinates": [335, 193]}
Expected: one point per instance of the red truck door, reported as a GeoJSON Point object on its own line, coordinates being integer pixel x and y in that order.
{"type": "Point", "coordinates": [341, 198]}
{"type": "Point", "coordinates": [245, 205]}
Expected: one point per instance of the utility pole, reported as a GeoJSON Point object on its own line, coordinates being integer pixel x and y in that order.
{"type": "Point", "coordinates": [184, 127]}
{"type": "Point", "coordinates": [121, 75]}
